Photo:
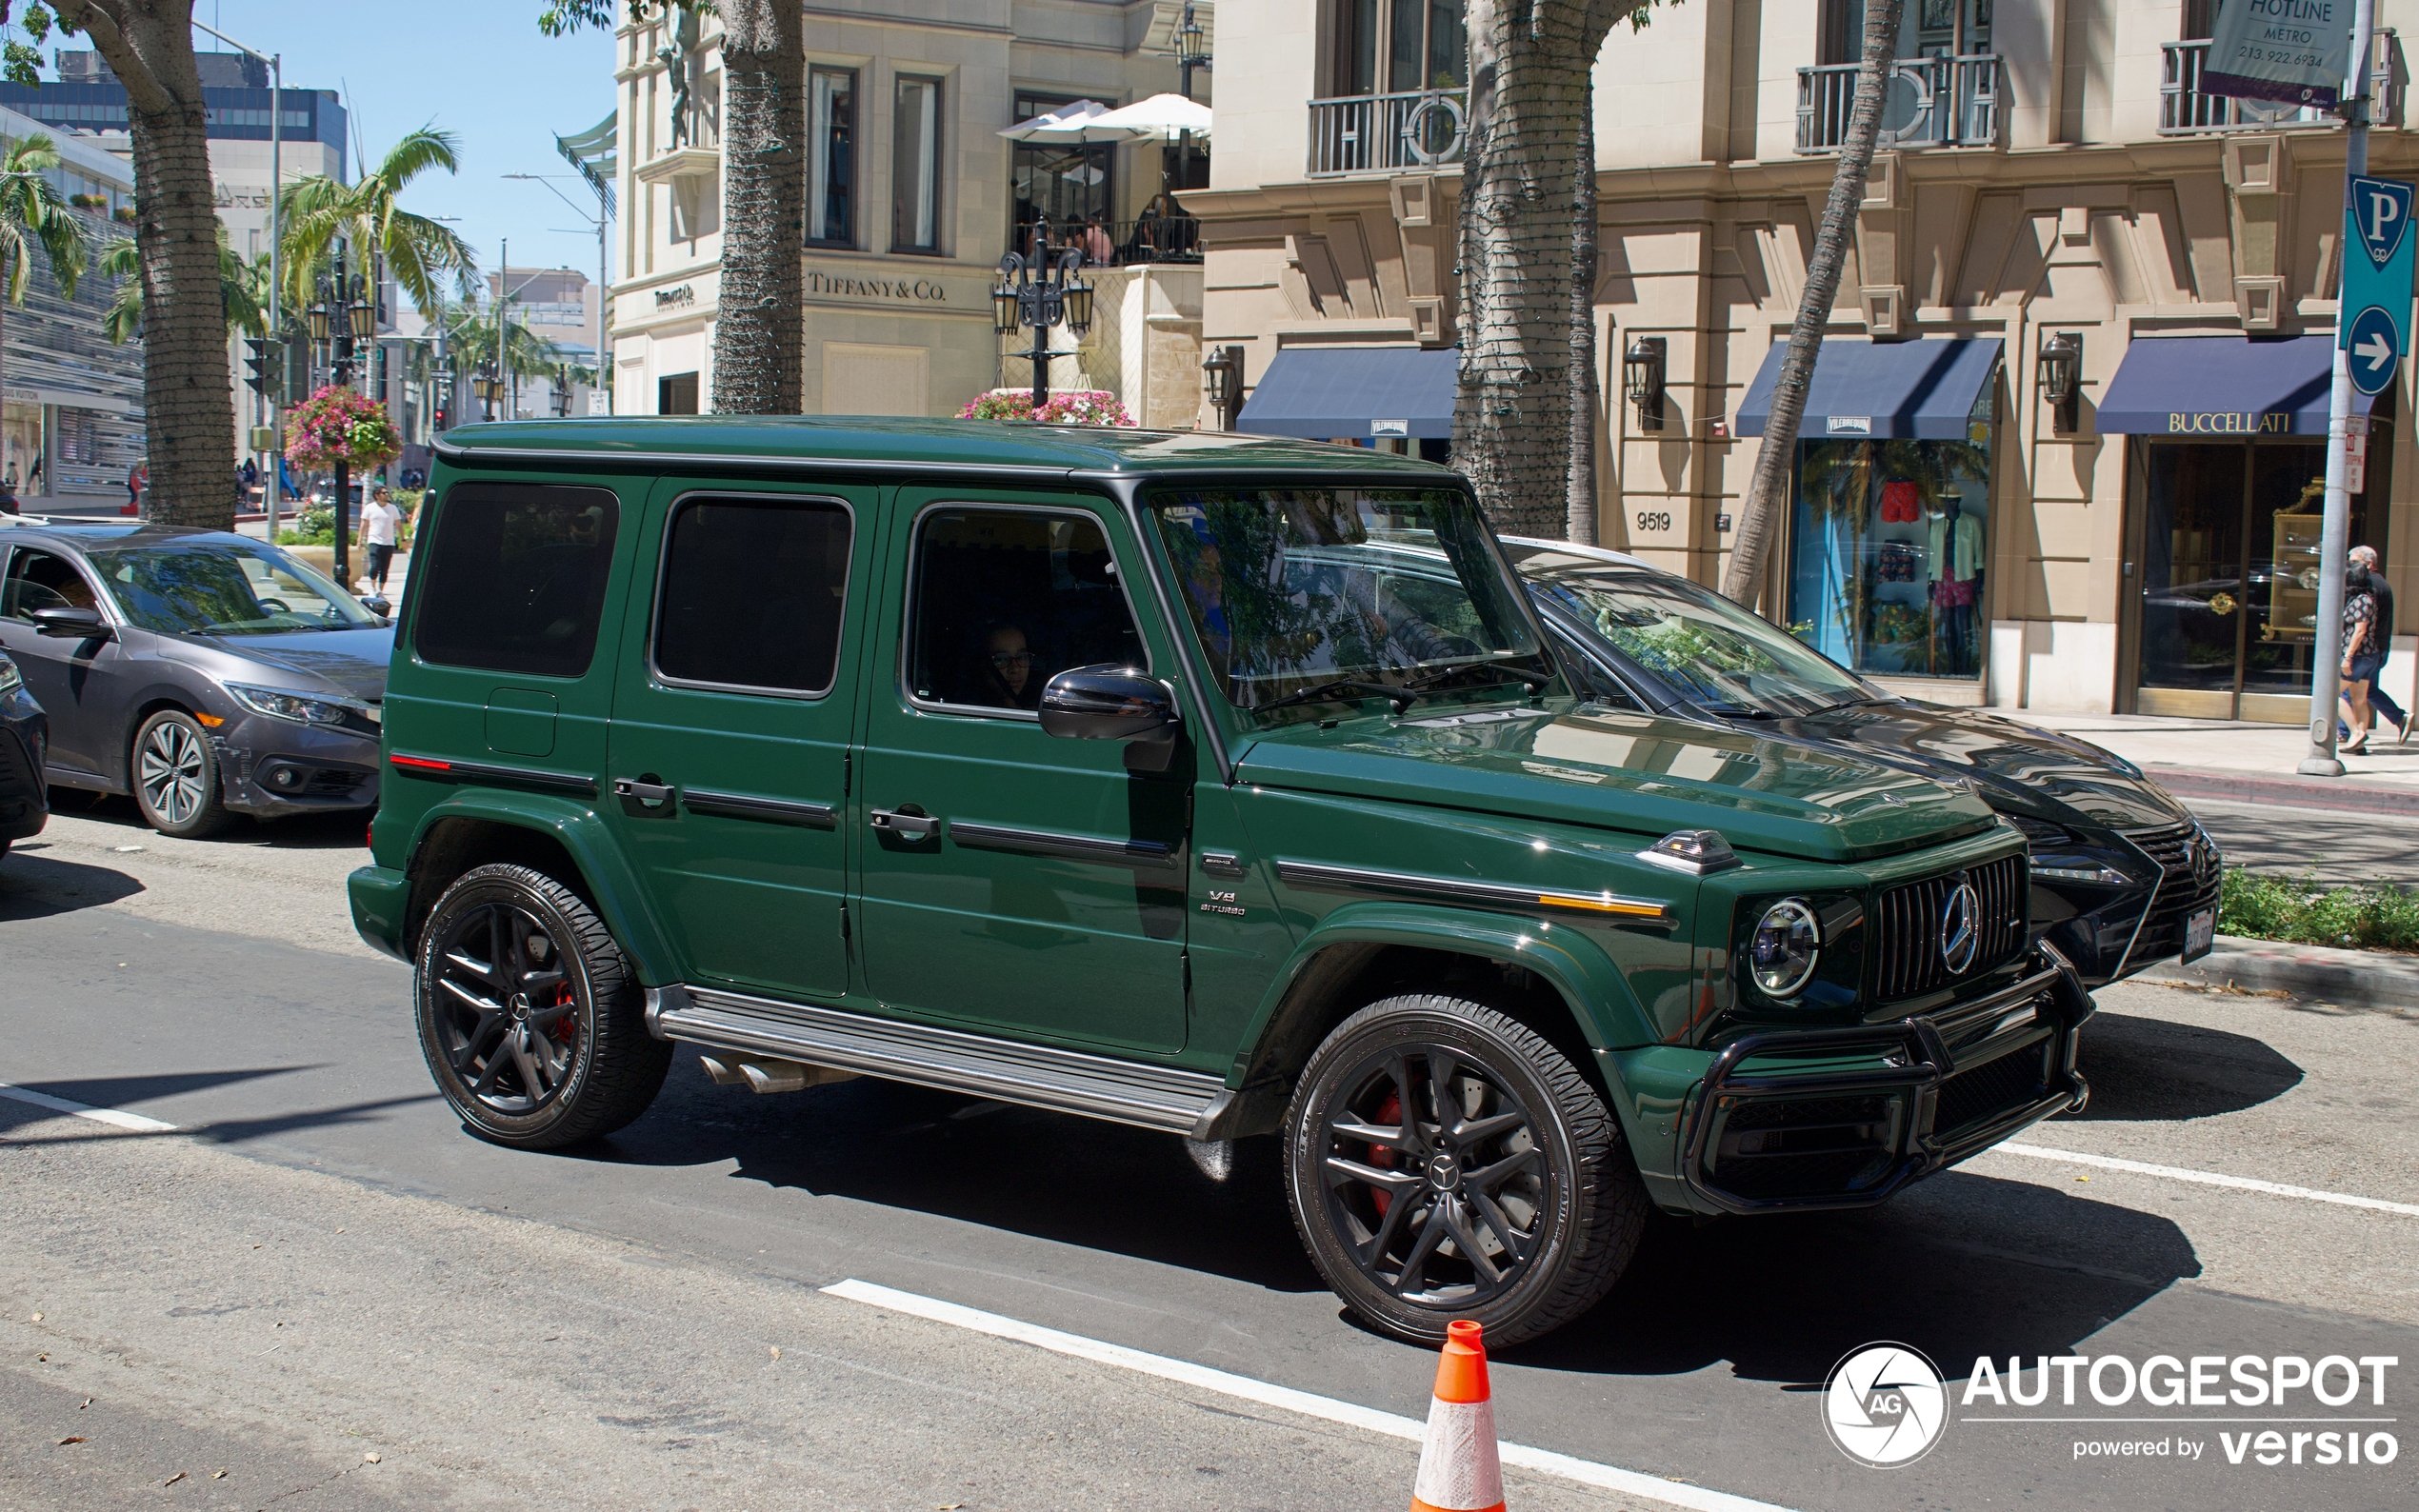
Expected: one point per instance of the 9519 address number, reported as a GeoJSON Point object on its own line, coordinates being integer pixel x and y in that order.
{"type": "Point", "coordinates": [1652, 520]}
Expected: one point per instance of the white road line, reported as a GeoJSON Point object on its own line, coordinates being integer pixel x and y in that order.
{"type": "Point", "coordinates": [1587, 1472]}
{"type": "Point", "coordinates": [2179, 1173]}
{"type": "Point", "coordinates": [98, 1115]}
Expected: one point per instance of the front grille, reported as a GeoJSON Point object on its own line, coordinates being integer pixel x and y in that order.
{"type": "Point", "coordinates": [1907, 937]}
{"type": "Point", "coordinates": [329, 783]}
{"type": "Point", "coordinates": [1981, 1092]}
{"type": "Point", "coordinates": [2191, 876]}
{"type": "Point", "coordinates": [1804, 1147]}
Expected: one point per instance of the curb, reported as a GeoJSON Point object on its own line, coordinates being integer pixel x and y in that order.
{"type": "Point", "coordinates": [2188, 781]}
{"type": "Point", "coordinates": [2352, 978]}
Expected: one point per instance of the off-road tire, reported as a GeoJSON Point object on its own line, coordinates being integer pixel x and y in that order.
{"type": "Point", "coordinates": [615, 1066]}
{"type": "Point", "coordinates": [1588, 1216]}
{"type": "Point", "coordinates": [188, 767]}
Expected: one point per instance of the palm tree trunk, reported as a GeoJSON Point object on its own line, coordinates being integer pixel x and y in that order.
{"type": "Point", "coordinates": [1584, 394]}
{"type": "Point", "coordinates": [1759, 521]}
{"type": "Point", "coordinates": [759, 330]}
{"type": "Point", "coordinates": [189, 408]}
{"type": "Point", "coordinates": [1514, 430]}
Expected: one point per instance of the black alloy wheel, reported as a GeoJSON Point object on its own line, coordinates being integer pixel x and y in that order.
{"type": "Point", "coordinates": [1444, 1161]}
{"type": "Point", "coordinates": [529, 1019]}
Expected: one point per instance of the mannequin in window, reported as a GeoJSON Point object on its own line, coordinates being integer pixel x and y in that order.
{"type": "Point", "coordinates": [1956, 565]}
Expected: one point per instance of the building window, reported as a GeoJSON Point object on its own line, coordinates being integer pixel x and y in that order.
{"type": "Point", "coordinates": [79, 435]}
{"type": "Point", "coordinates": [1412, 44]}
{"type": "Point", "coordinates": [831, 167]}
{"type": "Point", "coordinates": [915, 167]}
{"type": "Point", "coordinates": [1068, 184]}
{"type": "Point", "coordinates": [676, 394]}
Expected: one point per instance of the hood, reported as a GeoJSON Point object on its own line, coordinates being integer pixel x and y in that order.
{"type": "Point", "coordinates": [2022, 770]}
{"type": "Point", "coordinates": [1626, 771]}
{"type": "Point", "coordinates": [351, 662]}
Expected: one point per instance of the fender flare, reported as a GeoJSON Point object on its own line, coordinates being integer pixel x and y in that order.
{"type": "Point", "coordinates": [1566, 958]}
{"type": "Point", "coordinates": [581, 833]}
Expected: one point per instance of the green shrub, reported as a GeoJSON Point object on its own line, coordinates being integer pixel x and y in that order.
{"type": "Point", "coordinates": [2377, 916]}
{"type": "Point", "coordinates": [312, 527]}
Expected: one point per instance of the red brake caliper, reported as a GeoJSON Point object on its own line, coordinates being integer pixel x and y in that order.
{"type": "Point", "coordinates": [1389, 1111]}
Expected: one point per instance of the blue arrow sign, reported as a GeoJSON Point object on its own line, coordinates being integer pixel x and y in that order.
{"type": "Point", "coordinates": [2372, 318]}
{"type": "Point", "coordinates": [2375, 347]}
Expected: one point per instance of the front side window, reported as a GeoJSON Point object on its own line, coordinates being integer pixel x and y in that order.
{"type": "Point", "coordinates": [915, 167]}
{"type": "Point", "coordinates": [42, 580]}
{"type": "Point", "coordinates": [832, 162]}
{"type": "Point", "coordinates": [222, 589]}
{"type": "Point", "coordinates": [1004, 599]}
{"type": "Point", "coordinates": [516, 580]}
{"type": "Point", "coordinates": [1290, 589]}
{"type": "Point", "coordinates": [1696, 641]}
{"type": "Point", "coordinates": [752, 594]}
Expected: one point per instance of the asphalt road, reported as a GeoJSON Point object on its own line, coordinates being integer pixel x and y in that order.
{"type": "Point", "coordinates": [499, 1326]}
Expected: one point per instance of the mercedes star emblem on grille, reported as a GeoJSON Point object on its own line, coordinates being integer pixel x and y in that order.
{"type": "Point", "coordinates": [1960, 926]}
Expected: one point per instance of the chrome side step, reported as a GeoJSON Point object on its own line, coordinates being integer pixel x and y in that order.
{"type": "Point", "coordinates": [1154, 1096]}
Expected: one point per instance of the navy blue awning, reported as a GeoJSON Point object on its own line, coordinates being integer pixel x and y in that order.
{"type": "Point", "coordinates": [2221, 386]}
{"type": "Point", "coordinates": [1331, 393]}
{"type": "Point", "coordinates": [1926, 389]}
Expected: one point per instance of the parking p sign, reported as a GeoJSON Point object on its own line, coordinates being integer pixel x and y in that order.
{"type": "Point", "coordinates": [2372, 322]}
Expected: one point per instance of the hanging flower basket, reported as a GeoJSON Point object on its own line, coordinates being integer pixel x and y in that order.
{"type": "Point", "coordinates": [1079, 407]}
{"type": "Point", "coordinates": [337, 424]}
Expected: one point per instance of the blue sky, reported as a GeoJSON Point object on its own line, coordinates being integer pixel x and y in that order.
{"type": "Point", "coordinates": [480, 70]}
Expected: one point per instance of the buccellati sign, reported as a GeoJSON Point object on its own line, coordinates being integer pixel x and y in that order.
{"type": "Point", "coordinates": [913, 290]}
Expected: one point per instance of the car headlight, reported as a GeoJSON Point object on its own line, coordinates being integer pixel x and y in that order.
{"type": "Point", "coordinates": [303, 709]}
{"type": "Point", "coordinates": [10, 679]}
{"type": "Point", "coordinates": [1787, 946]}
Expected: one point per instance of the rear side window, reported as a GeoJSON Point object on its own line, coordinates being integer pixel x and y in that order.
{"type": "Point", "coordinates": [752, 593]}
{"type": "Point", "coordinates": [515, 581]}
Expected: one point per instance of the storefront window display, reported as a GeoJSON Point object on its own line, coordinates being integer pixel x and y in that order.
{"type": "Point", "coordinates": [21, 450]}
{"type": "Point", "coordinates": [1889, 543]}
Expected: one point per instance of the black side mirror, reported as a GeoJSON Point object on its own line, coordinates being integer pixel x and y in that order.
{"type": "Point", "coordinates": [1109, 702]}
{"type": "Point", "coordinates": [72, 623]}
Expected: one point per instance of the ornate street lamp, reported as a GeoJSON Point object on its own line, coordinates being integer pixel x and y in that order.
{"type": "Point", "coordinates": [1041, 293]}
{"type": "Point", "coordinates": [1222, 380]}
{"type": "Point", "coordinates": [487, 387]}
{"type": "Point", "coordinates": [2061, 377]}
{"type": "Point", "coordinates": [561, 396]}
{"type": "Point", "coordinates": [1191, 53]}
{"type": "Point", "coordinates": [1642, 374]}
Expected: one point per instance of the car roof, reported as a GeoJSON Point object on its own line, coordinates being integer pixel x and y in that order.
{"type": "Point", "coordinates": [1525, 550]}
{"type": "Point", "coordinates": [92, 535]}
{"type": "Point", "coordinates": [951, 444]}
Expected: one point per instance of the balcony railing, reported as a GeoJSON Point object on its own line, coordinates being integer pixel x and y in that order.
{"type": "Point", "coordinates": [1931, 102]}
{"type": "Point", "coordinates": [1388, 133]}
{"type": "Point", "coordinates": [1120, 244]}
{"type": "Point", "coordinates": [2183, 110]}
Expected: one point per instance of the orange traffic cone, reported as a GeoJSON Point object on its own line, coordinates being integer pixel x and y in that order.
{"type": "Point", "coordinates": [1458, 1471]}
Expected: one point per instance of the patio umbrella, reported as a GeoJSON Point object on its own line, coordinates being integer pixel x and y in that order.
{"type": "Point", "coordinates": [1161, 118]}
{"type": "Point", "coordinates": [1068, 123]}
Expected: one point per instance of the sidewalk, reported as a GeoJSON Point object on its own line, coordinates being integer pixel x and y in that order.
{"type": "Point", "coordinates": [2247, 763]}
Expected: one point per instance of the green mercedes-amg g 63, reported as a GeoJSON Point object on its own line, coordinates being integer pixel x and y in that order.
{"type": "Point", "coordinates": [1165, 778]}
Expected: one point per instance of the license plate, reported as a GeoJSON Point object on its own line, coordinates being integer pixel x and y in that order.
{"type": "Point", "coordinates": [2198, 931]}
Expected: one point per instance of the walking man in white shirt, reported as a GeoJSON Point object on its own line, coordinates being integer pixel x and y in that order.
{"type": "Point", "coordinates": [379, 522]}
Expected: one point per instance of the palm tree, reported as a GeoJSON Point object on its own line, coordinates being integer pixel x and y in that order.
{"type": "Point", "coordinates": [760, 323]}
{"type": "Point", "coordinates": [418, 253]}
{"type": "Point", "coordinates": [32, 216]}
{"type": "Point", "coordinates": [1759, 521]}
{"type": "Point", "coordinates": [243, 289]}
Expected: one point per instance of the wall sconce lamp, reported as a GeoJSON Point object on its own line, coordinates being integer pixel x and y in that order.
{"type": "Point", "coordinates": [2061, 377]}
{"type": "Point", "coordinates": [1642, 372]}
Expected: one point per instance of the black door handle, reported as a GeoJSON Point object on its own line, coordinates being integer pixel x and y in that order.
{"type": "Point", "coordinates": [652, 794]}
{"type": "Point", "coordinates": [905, 825]}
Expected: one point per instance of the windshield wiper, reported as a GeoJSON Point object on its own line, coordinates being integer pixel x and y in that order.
{"type": "Point", "coordinates": [1739, 711]}
{"type": "Point", "coordinates": [1400, 697]}
{"type": "Point", "coordinates": [1529, 677]}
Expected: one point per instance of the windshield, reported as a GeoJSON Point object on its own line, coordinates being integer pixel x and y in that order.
{"type": "Point", "coordinates": [1703, 645]}
{"type": "Point", "coordinates": [224, 587]}
{"type": "Point", "coordinates": [1290, 589]}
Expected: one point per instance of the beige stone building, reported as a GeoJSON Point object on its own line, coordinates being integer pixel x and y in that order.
{"type": "Point", "coordinates": [2053, 175]}
{"type": "Point", "coordinates": [913, 198]}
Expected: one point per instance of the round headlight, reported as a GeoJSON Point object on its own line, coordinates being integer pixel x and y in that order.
{"type": "Point", "coordinates": [1788, 942]}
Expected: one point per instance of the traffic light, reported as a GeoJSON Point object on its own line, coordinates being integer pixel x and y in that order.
{"type": "Point", "coordinates": [297, 385]}
{"type": "Point", "coordinates": [265, 357]}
